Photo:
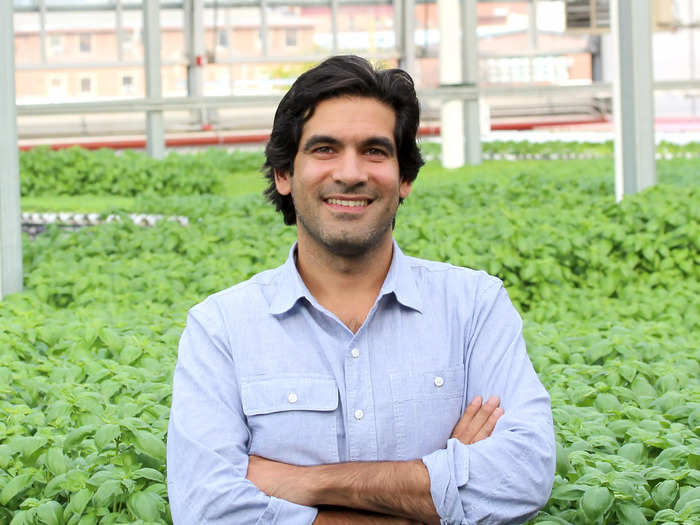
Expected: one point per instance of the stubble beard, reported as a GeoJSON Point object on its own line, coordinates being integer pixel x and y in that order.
{"type": "Point", "coordinates": [344, 243]}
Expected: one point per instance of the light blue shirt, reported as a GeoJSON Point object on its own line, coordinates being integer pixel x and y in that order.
{"type": "Point", "coordinates": [264, 369]}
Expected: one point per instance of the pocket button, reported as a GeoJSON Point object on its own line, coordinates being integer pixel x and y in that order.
{"type": "Point", "coordinates": [439, 381]}
{"type": "Point", "coordinates": [292, 398]}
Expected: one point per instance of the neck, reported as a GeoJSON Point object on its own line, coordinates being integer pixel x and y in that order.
{"type": "Point", "coordinates": [347, 286]}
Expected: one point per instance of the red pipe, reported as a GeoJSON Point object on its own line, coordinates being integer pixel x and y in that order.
{"type": "Point", "coordinates": [218, 140]}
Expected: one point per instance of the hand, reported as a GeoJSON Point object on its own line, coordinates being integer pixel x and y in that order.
{"type": "Point", "coordinates": [279, 480]}
{"type": "Point", "coordinates": [478, 421]}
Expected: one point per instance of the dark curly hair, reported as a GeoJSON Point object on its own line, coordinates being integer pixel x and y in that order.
{"type": "Point", "coordinates": [346, 75]}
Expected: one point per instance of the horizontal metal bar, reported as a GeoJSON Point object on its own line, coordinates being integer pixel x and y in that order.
{"type": "Point", "coordinates": [110, 6]}
{"type": "Point", "coordinates": [143, 104]}
{"type": "Point", "coordinates": [92, 65]}
{"type": "Point", "coordinates": [297, 59]}
{"type": "Point", "coordinates": [77, 7]}
{"type": "Point", "coordinates": [442, 93]}
{"type": "Point", "coordinates": [281, 59]}
{"type": "Point", "coordinates": [534, 53]}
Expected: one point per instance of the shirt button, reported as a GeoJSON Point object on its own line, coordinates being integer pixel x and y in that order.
{"type": "Point", "coordinates": [359, 414]}
{"type": "Point", "coordinates": [292, 398]}
{"type": "Point", "coordinates": [439, 381]}
{"type": "Point", "coordinates": [355, 353]}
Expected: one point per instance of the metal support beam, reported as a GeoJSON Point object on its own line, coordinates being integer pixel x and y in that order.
{"type": "Point", "coordinates": [633, 97]}
{"type": "Point", "coordinates": [155, 134]}
{"type": "Point", "coordinates": [195, 53]}
{"type": "Point", "coordinates": [532, 35]}
{"type": "Point", "coordinates": [264, 44]}
{"type": "Point", "coordinates": [691, 43]}
{"type": "Point", "coordinates": [334, 27]}
{"type": "Point", "coordinates": [452, 111]}
{"type": "Point", "coordinates": [406, 34]}
{"type": "Point", "coordinates": [10, 228]}
{"type": "Point", "coordinates": [42, 29]}
{"type": "Point", "coordinates": [119, 26]}
{"type": "Point", "coordinates": [470, 76]}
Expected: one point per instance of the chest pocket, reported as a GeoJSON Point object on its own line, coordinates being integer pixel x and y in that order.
{"type": "Point", "coordinates": [427, 406]}
{"type": "Point", "coordinates": [292, 418]}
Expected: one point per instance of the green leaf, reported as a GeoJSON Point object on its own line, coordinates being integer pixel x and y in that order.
{"type": "Point", "coordinates": [27, 446]}
{"type": "Point", "coordinates": [15, 486]}
{"type": "Point", "coordinates": [55, 485]}
{"type": "Point", "coordinates": [50, 513]}
{"type": "Point", "coordinates": [148, 444]}
{"type": "Point", "coordinates": [145, 505]}
{"type": "Point", "coordinates": [595, 502]}
{"type": "Point", "coordinates": [77, 436]}
{"type": "Point", "coordinates": [691, 508]}
{"type": "Point", "coordinates": [685, 497]}
{"type": "Point", "coordinates": [105, 494]}
{"type": "Point", "coordinates": [129, 354]}
{"type": "Point", "coordinates": [563, 465]}
{"type": "Point", "coordinates": [568, 492]}
{"type": "Point", "coordinates": [88, 519]}
{"type": "Point", "coordinates": [607, 403]}
{"type": "Point", "coordinates": [57, 462]}
{"type": "Point", "coordinates": [629, 514]}
{"type": "Point", "coordinates": [79, 501]}
{"type": "Point", "coordinates": [148, 473]}
{"type": "Point", "coordinates": [21, 518]}
{"type": "Point", "coordinates": [105, 435]}
{"type": "Point", "coordinates": [632, 451]}
{"type": "Point", "coordinates": [664, 493]}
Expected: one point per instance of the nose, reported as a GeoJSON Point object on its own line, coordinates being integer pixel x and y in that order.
{"type": "Point", "coordinates": [350, 169]}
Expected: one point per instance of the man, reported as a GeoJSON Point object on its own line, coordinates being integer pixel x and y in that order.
{"type": "Point", "coordinates": [347, 385]}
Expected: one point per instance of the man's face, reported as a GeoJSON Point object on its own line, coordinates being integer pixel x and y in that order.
{"type": "Point", "coordinates": [346, 185]}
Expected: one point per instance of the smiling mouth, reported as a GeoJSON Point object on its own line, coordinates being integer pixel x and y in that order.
{"type": "Point", "coordinates": [348, 203]}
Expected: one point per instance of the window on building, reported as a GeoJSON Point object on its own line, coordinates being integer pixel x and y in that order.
{"type": "Point", "coordinates": [86, 43]}
{"type": "Point", "coordinates": [128, 84]}
{"type": "Point", "coordinates": [290, 37]}
{"type": "Point", "coordinates": [222, 38]}
{"type": "Point", "coordinates": [57, 86]}
{"type": "Point", "coordinates": [86, 84]}
{"type": "Point", "coordinates": [56, 45]}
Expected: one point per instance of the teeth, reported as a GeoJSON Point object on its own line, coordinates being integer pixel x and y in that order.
{"type": "Point", "coordinates": [352, 204]}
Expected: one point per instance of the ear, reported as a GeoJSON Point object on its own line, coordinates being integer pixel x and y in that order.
{"type": "Point", "coordinates": [283, 182]}
{"type": "Point", "coordinates": [404, 189]}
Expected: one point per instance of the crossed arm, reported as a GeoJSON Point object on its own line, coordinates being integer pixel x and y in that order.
{"type": "Point", "coordinates": [387, 492]}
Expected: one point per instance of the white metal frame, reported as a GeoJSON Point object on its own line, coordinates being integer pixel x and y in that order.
{"type": "Point", "coordinates": [155, 129]}
{"type": "Point", "coordinates": [10, 228]}
{"type": "Point", "coordinates": [633, 98]}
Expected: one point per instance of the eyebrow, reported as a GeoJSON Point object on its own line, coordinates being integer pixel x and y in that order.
{"type": "Point", "coordinates": [320, 139]}
{"type": "Point", "coordinates": [332, 141]}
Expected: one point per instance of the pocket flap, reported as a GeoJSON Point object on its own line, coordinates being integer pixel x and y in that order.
{"type": "Point", "coordinates": [448, 382]}
{"type": "Point", "coordinates": [263, 395]}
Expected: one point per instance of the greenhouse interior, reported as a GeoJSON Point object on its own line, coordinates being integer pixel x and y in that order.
{"type": "Point", "coordinates": [560, 147]}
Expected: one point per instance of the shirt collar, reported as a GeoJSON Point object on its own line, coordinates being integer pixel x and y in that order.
{"type": "Point", "coordinates": [399, 281]}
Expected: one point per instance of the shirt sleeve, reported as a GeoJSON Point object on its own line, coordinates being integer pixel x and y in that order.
{"type": "Point", "coordinates": [207, 458]}
{"type": "Point", "coordinates": [507, 477]}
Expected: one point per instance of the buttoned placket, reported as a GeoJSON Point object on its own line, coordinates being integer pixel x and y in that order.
{"type": "Point", "coordinates": [360, 423]}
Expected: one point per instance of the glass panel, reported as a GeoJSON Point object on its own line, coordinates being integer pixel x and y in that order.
{"type": "Point", "coordinates": [366, 29]}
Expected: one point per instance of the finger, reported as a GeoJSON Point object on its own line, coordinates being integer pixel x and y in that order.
{"type": "Point", "coordinates": [464, 421]}
{"type": "Point", "coordinates": [486, 430]}
{"type": "Point", "coordinates": [481, 417]}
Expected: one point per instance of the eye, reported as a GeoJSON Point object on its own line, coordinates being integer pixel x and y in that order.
{"type": "Point", "coordinates": [323, 150]}
{"type": "Point", "coordinates": [376, 152]}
